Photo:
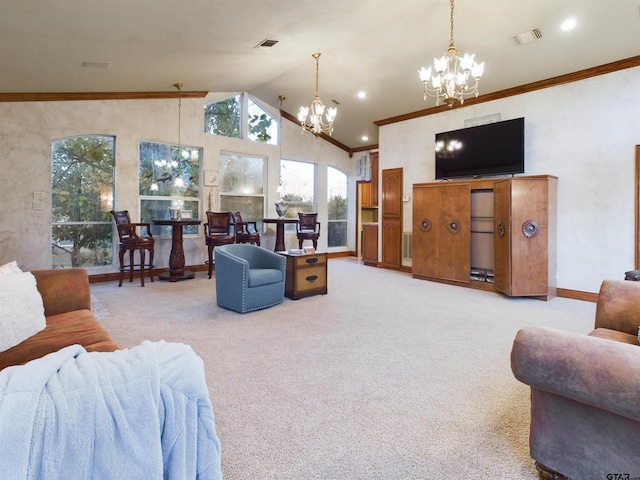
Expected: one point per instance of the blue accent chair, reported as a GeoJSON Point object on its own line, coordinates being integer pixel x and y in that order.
{"type": "Point", "coordinates": [248, 277]}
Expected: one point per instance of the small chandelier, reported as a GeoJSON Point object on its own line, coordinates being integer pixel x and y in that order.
{"type": "Point", "coordinates": [451, 82]}
{"type": "Point", "coordinates": [319, 121]}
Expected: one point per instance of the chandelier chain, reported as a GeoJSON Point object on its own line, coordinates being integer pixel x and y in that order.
{"type": "Point", "coordinates": [179, 87]}
{"type": "Point", "coordinates": [451, 46]}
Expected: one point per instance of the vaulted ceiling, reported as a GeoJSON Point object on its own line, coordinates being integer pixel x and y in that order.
{"type": "Point", "coordinates": [375, 46]}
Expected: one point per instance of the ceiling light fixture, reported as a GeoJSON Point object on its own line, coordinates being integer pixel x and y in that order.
{"type": "Point", "coordinates": [450, 83]}
{"type": "Point", "coordinates": [569, 24]}
{"type": "Point", "coordinates": [319, 121]}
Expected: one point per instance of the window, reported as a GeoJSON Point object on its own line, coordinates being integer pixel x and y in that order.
{"type": "Point", "coordinates": [337, 195]}
{"type": "Point", "coordinates": [169, 178]}
{"type": "Point", "coordinates": [224, 117]}
{"type": "Point", "coordinates": [297, 186]}
{"type": "Point", "coordinates": [235, 115]}
{"type": "Point", "coordinates": [82, 173]}
{"type": "Point", "coordinates": [242, 179]}
{"type": "Point", "coordinates": [262, 126]}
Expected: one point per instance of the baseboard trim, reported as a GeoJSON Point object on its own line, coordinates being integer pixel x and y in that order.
{"type": "Point", "coordinates": [578, 295]}
{"type": "Point", "coordinates": [115, 276]}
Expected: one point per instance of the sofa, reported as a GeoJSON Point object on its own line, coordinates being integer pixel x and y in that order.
{"type": "Point", "coordinates": [585, 390]}
{"type": "Point", "coordinates": [248, 277]}
{"type": "Point", "coordinates": [74, 405]}
{"type": "Point", "coordinates": [67, 307]}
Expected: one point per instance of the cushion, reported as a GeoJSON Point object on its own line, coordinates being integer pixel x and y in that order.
{"type": "Point", "coordinates": [21, 309]}
{"type": "Point", "coordinates": [9, 268]}
{"type": "Point", "coordinates": [615, 335]}
{"type": "Point", "coordinates": [264, 276]}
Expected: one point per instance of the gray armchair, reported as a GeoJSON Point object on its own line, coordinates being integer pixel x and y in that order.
{"type": "Point", "coordinates": [248, 277]}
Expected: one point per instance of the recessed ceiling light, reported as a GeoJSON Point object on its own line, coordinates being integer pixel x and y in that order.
{"type": "Point", "coordinates": [364, 138]}
{"type": "Point", "coordinates": [362, 94]}
{"type": "Point", "coordinates": [568, 24]}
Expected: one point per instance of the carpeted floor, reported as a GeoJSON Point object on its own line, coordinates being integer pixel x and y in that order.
{"type": "Point", "coordinates": [385, 377]}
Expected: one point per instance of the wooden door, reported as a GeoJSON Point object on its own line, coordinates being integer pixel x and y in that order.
{"type": "Point", "coordinates": [442, 231]}
{"type": "Point", "coordinates": [502, 236]}
{"type": "Point", "coordinates": [391, 221]}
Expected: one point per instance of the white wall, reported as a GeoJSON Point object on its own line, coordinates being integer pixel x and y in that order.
{"type": "Point", "coordinates": [585, 134]}
{"type": "Point", "coordinates": [27, 130]}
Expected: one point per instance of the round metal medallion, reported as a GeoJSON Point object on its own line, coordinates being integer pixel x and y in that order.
{"type": "Point", "coordinates": [502, 228]}
{"type": "Point", "coordinates": [454, 226]}
{"type": "Point", "coordinates": [530, 228]}
{"type": "Point", "coordinates": [425, 225]}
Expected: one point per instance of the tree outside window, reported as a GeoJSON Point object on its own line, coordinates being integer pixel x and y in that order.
{"type": "Point", "coordinates": [229, 118]}
{"type": "Point", "coordinates": [224, 117]}
{"type": "Point", "coordinates": [337, 206]}
{"type": "Point", "coordinates": [82, 179]}
{"type": "Point", "coordinates": [297, 186]}
{"type": "Point", "coordinates": [262, 126]}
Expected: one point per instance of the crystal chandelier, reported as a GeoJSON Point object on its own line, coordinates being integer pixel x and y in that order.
{"type": "Point", "coordinates": [451, 81]}
{"type": "Point", "coordinates": [319, 121]}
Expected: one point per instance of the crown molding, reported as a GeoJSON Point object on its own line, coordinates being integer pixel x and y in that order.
{"type": "Point", "coordinates": [529, 87]}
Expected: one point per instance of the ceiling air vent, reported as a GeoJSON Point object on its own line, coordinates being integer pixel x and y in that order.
{"type": "Point", "coordinates": [86, 64]}
{"type": "Point", "coordinates": [267, 43]}
{"type": "Point", "coordinates": [526, 37]}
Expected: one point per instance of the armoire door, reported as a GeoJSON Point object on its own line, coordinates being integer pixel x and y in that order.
{"type": "Point", "coordinates": [502, 236]}
{"type": "Point", "coordinates": [529, 236]}
{"type": "Point", "coordinates": [523, 260]}
{"type": "Point", "coordinates": [442, 232]}
{"type": "Point", "coordinates": [391, 221]}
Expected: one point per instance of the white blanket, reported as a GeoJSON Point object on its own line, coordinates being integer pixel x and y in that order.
{"type": "Point", "coordinates": [142, 413]}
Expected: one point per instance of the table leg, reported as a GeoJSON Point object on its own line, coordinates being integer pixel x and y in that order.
{"type": "Point", "coordinates": [176, 259]}
{"type": "Point", "coordinates": [280, 237]}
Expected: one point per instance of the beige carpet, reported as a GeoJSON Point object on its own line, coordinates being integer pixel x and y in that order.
{"type": "Point", "coordinates": [385, 377]}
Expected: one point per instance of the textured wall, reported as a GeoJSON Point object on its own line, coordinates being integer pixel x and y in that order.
{"type": "Point", "coordinates": [27, 130]}
{"type": "Point", "coordinates": [585, 134]}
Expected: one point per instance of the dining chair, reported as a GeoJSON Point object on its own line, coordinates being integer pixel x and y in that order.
{"type": "Point", "coordinates": [308, 228]}
{"type": "Point", "coordinates": [246, 232]}
{"type": "Point", "coordinates": [130, 241]}
{"type": "Point", "coordinates": [218, 231]}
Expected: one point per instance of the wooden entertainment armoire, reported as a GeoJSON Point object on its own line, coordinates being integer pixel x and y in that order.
{"type": "Point", "coordinates": [496, 234]}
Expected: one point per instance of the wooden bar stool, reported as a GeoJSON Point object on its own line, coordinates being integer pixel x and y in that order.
{"type": "Point", "coordinates": [130, 241]}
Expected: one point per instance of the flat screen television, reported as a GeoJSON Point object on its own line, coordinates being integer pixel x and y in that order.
{"type": "Point", "coordinates": [484, 150]}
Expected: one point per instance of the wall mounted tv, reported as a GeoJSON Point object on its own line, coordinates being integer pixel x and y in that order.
{"type": "Point", "coordinates": [491, 149]}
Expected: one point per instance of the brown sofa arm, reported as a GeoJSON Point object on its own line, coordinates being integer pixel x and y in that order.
{"type": "Point", "coordinates": [618, 306]}
{"type": "Point", "coordinates": [63, 290]}
{"type": "Point", "coordinates": [594, 371]}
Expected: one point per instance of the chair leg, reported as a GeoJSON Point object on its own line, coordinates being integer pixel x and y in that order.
{"type": "Point", "coordinates": [315, 243]}
{"type": "Point", "coordinates": [121, 255]}
{"type": "Point", "coordinates": [210, 248]}
{"type": "Point", "coordinates": [142, 255]}
{"type": "Point", "coordinates": [131, 263]}
{"type": "Point", "coordinates": [151, 263]}
{"type": "Point", "coordinates": [300, 244]}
